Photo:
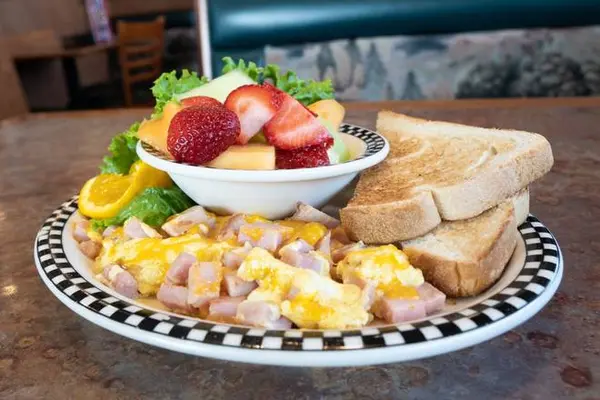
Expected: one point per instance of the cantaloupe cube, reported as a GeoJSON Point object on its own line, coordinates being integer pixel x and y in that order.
{"type": "Point", "coordinates": [155, 131]}
{"type": "Point", "coordinates": [249, 157]}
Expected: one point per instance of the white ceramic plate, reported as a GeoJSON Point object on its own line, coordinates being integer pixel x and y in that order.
{"type": "Point", "coordinates": [529, 281]}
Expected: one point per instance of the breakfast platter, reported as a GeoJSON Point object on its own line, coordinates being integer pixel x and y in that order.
{"type": "Point", "coordinates": [244, 220]}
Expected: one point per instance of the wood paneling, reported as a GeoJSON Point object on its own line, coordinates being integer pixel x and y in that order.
{"type": "Point", "coordinates": [65, 17]}
{"type": "Point", "coordinates": [12, 101]}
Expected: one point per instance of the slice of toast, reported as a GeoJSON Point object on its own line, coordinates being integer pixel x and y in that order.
{"type": "Point", "coordinates": [440, 171]}
{"type": "Point", "coordinates": [464, 258]}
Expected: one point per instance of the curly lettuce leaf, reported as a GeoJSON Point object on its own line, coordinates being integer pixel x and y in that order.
{"type": "Point", "coordinates": [152, 206]}
{"type": "Point", "coordinates": [306, 91]}
{"type": "Point", "coordinates": [253, 71]}
{"type": "Point", "coordinates": [168, 85]}
{"type": "Point", "coordinates": [122, 149]}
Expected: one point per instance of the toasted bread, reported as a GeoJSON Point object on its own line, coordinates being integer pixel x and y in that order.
{"type": "Point", "coordinates": [464, 258]}
{"type": "Point", "coordinates": [440, 171]}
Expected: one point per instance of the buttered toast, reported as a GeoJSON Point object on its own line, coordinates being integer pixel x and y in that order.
{"type": "Point", "coordinates": [440, 171]}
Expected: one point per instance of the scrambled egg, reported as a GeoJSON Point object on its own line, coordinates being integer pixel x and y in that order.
{"type": "Point", "coordinates": [310, 232]}
{"type": "Point", "coordinates": [386, 266]}
{"type": "Point", "coordinates": [148, 259]}
{"type": "Point", "coordinates": [305, 297]}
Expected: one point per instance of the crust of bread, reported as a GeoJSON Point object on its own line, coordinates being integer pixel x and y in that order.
{"type": "Point", "coordinates": [465, 258]}
{"type": "Point", "coordinates": [402, 199]}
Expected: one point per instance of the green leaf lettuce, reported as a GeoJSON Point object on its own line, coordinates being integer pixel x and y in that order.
{"type": "Point", "coordinates": [169, 84]}
{"type": "Point", "coordinates": [152, 206]}
{"type": "Point", "coordinates": [122, 149]}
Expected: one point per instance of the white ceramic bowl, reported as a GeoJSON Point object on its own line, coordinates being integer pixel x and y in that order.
{"type": "Point", "coordinates": [271, 194]}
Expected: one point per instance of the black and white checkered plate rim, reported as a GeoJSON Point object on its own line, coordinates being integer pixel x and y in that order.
{"type": "Point", "coordinates": [374, 143]}
{"type": "Point", "coordinates": [539, 270]}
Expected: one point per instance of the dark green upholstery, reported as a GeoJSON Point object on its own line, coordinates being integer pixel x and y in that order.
{"type": "Point", "coordinates": [241, 28]}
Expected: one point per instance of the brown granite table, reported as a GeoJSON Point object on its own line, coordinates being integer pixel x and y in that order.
{"type": "Point", "coordinates": [47, 351]}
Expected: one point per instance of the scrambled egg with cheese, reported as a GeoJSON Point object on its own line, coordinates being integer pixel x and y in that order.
{"type": "Point", "coordinates": [305, 297]}
{"type": "Point", "coordinates": [385, 266]}
{"type": "Point", "coordinates": [148, 259]}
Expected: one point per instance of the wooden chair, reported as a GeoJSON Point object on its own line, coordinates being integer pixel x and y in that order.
{"type": "Point", "coordinates": [140, 53]}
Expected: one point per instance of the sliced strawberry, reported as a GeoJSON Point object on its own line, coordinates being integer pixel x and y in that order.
{"type": "Point", "coordinates": [304, 157]}
{"type": "Point", "coordinates": [294, 126]}
{"type": "Point", "coordinates": [254, 105]}
{"type": "Point", "coordinates": [204, 101]}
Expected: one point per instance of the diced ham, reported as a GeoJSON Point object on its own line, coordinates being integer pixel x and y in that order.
{"type": "Point", "coordinates": [80, 230]}
{"type": "Point", "coordinates": [191, 217]}
{"type": "Point", "coordinates": [324, 244]}
{"type": "Point", "coordinates": [264, 314]}
{"type": "Point", "coordinates": [339, 235]}
{"type": "Point", "coordinates": [312, 261]}
{"type": "Point", "coordinates": [90, 249]}
{"type": "Point", "coordinates": [399, 310]}
{"type": "Point", "coordinates": [307, 213]}
{"type": "Point", "coordinates": [203, 283]}
{"type": "Point", "coordinates": [225, 306]}
{"type": "Point", "coordinates": [269, 238]}
{"type": "Point", "coordinates": [232, 227]}
{"type": "Point", "coordinates": [178, 271]}
{"type": "Point", "coordinates": [121, 280]}
{"type": "Point", "coordinates": [339, 254]}
{"type": "Point", "coordinates": [299, 245]}
{"type": "Point", "coordinates": [173, 296]}
{"type": "Point", "coordinates": [234, 258]}
{"type": "Point", "coordinates": [433, 298]}
{"type": "Point", "coordinates": [109, 231]}
{"type": "Point", "coordinates": [281, 323]}
{"type": "Point", "coordinates": [136, 229]}
{"type": "Point", "coordinates": [236, 286]}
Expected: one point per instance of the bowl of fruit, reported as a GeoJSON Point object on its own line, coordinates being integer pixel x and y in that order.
{"type": "Point", "coordinates": [254, 140]}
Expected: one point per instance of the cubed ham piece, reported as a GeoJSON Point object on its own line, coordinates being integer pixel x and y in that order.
{"type": "Point", "coordinates": [80, 230]}
{"type": "Point", "coordinates": [231, 227]}
{"type": "Point", "coordinates": [399, 310]}
{"type": "Point", "coordinates": [339, 235]}
{"type": "Point", "coordinates": [181, 223]}
{"type": "Point", "coordinates": [178, 271]}
{"type": "Point", "coordinates": [338, 255]}
{"type": "Point", "coordinates": [236, 286]}
{"type": "Point", "coordinates": [204, 283]}
{"type": "Point", "coordinates": [109, 231]}
{"type": "Point", "coordinates": [264, 314]}
{"type": "Point", "coordinates": [433, 298]}
{"type": "Point", "coordinates": [297, 245]}
{"type": "Point", "coordinates": [324, 244]}
{"type": "Point", "coordinates": [234, 258]}
{"type": "Point", "coordinates": [225, 306]}
{"type": "Point", "coordinates": [90, 248]}
{"type": "Point", "coordinates": [307, 213]}
{"type": "Point", "coordinates": [121, 280]}
{"type": "Point", "coordinates": [260, 234]}
{"type": "Point", "coordinates": [173, 297]}
{"type": "Point", "coordinates": [281, 323]}
{"type": "Point", "coordinates": [313, 261]}
{"type": "Point", "coordinates": [136, 229]}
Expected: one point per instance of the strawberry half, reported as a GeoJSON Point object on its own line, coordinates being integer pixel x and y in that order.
{"type": "Point", "coordinates": [254, 105]}
{"type": "Point", "coordinates": [294, 126]}
{"type": "Point", "coordinates": [200, 134]}
{"type": "Point", "coordinates": [203, 101]}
